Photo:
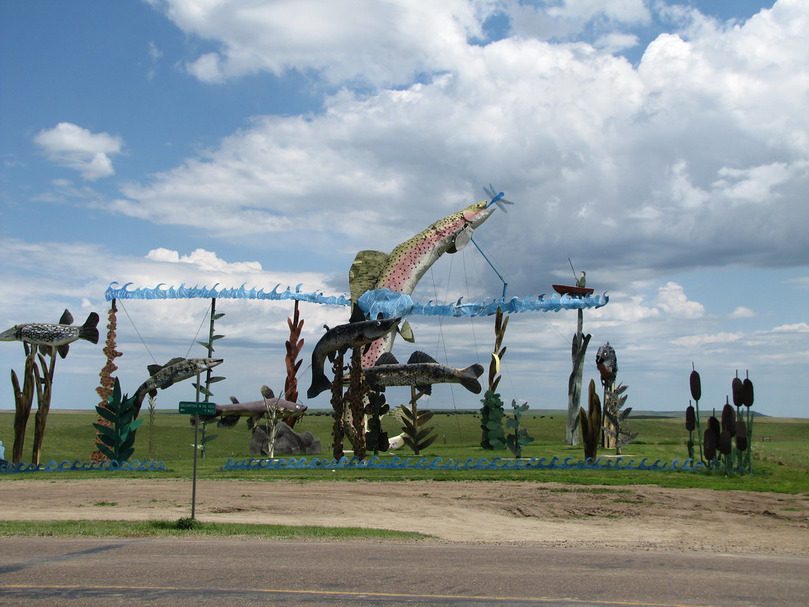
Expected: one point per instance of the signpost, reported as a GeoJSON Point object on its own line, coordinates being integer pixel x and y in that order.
{"type": "Point", "coordinates": [195, 408]}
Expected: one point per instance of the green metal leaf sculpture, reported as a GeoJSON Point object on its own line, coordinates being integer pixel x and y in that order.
{"type": "Point", "coordinates": [518, 437]}
{"type": "Point", "coordinates": [117, 440]}
{"type": "Point", "coordinates": [417, 436]}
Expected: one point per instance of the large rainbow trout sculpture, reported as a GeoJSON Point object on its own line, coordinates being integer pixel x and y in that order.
{"type": "Point", "coordinates": [401, 269]}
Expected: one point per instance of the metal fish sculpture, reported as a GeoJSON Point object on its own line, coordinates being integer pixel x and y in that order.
{"type": "Point", "coordinates": [229, 414]}
{"type": "Point", "coordinates": [58, 336]}
{"type": "Point", "coordinates": [402, 268]}
{"type": "Point", "coordinates": [340, 339]}
{"type": "Point", "coordinates": [176, 370]}
{"type": "Point", "coordinates": [420, 371]}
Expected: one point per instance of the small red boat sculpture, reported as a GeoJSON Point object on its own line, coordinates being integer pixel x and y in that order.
{"type": "Point", "coordinates": [573, 290]}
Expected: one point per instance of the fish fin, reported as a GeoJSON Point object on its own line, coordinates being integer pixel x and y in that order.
{"type": "Point", "coordinates": [152, 369]}
{"type": "Point", "coordinates": [228, 421]}
{"type": "Point", "coordinates": [365, 272]}
{"type": "Point", "coordinates": [357, 315]}
{"type": "Point", "coordinates": [320, 383]}
{"type": "Point", "coordinates": [89, 330]}
{"type": "Point", "coordinates": [267, 392]}
{"type": "Point", "coordinates": [461, 239]}
{"type": "Point", "coordinates": [63, 350]}
{"type": "Point", "coordinates": [67, 318]}
{"type": "Point", "coordinates": [425, 389]}
{"type": "Point", "coordinates": [420, 357]}
{"type": "Point", "coordinates": [175, 360]}
{"type": "Point", "coordinates": [469, 378]}
{"type": "Point", "coordinates": [234, 400]}
{"type": "Point", "coordinates": [406, 331]}
{"type": "Point", "coordinates": [153, 392]}
{"type": "Point", "coordinates": [386, 358]}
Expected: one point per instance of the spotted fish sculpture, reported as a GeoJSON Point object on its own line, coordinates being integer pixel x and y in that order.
{"type": "Point", "coordinates": [57, 336]}
{"type": "Point", "coordinates": [402, 268]}
{"type": "Point", "coordinates": [421, 371]}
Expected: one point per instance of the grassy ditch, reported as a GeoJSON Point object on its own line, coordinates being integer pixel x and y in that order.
{"type": "Point", "coordinates": [196, 528]}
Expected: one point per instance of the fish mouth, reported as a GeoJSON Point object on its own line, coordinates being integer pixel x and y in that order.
{"type": "Point", "coordinates": [214, 362]}
{"type": "Point", "coordinates": [9, 334]}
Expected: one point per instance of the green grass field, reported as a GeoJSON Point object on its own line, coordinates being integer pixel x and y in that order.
{"type": "Point", "coordinates": [780, 450]}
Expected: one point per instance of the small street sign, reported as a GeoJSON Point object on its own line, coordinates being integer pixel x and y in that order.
{"type": "Point", "coordinates": [193, 408]}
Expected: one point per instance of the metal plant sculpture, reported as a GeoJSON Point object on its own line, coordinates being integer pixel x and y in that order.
{"type": "Point", "coordinates": [695, 384]}
{"type": "Point", "coordinates": [205, 389]}
{"type": "Point", "coordinates": [517, 437]}
{"type": "Point", "coordinates": [417, 435]}
{"type": "Point", "coordinates": [375, 438]}
{"type": "Point", "coordinates": [117, 439]}
{"type": "Point", "coordinates": [338, 407]}
{"type": "Point", "coordinates": [107, 382]}
{"type": "Point", "coordinates": [492, 413]}
{"type": "Point", "coordinates": [577, 353]}
{"type": "Point", "coordinates": [293, 346]}
{"type": "Point", "coordinates": [591, 423]}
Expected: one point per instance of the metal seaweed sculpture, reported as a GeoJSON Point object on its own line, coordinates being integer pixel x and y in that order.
{"type": "Point", "coordinates": [117, 440]}
{"type": "Point", "coordinates": [591, 423]}
{"type": "Point", "coordinates": [491, 414]}
{"type": "Point", "coordinates": [375, 438]}
{"type": "Point", "coordinates": [518, 437]}
{"type": "Point", "coordinates": [205, 389]}
{"type": "Point", "coordinates": [577, 352]}
{"type": "Point", "coordinates": [107, 381]}
{"type": "Point", "coordinates": [416, 434]}
{"type": "Point", "coordinates": [293, 346]}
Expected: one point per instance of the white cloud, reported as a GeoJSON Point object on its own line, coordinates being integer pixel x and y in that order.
{"type": "Point", "coordinates": [77, 148]}
{"type": "Point", "coordinates": [699, 341]}
{"type": "Point", "coordinates": [742, 312]}
{"type": "Point", "coordinates": [651, 166]}
{"type": "Point", "coordinates": [377, 42]}
{"type": "Point", "coordinates": [672, 300]}
{"type": "Point", "coordinates": [799, 327]}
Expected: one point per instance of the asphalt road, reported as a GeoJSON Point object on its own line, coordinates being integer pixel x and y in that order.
{"type": "Point", "coordinates": [252, 571]}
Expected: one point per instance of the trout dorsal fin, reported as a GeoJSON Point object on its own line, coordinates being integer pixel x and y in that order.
{"type": "Point", "coordinates": [67, 318]}
{"type": "Point", "coordinates": [152, 369]}
{"type": "Point", "coordinates": [365, 272]}
{"type": "Point", "coordinates": [174, 361]}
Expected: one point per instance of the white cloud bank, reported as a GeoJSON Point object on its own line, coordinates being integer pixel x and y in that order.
{"type": "Point", "coordinates": [698, 154]}
{"type": "Point", "coordinates": [77, 148]}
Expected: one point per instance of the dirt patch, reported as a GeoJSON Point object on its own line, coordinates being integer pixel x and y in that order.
{"type": "Point", "coordinates": [635, 517]}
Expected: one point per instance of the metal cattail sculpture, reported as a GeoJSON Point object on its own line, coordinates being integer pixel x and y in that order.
{"type": "Point", "coordinates": [690, 425]}
{"type": "Point", "coordinates": [696, 393]}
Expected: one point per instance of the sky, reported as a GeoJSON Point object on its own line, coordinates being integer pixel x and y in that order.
{"type": "Point", "coordinates": [661, 146]}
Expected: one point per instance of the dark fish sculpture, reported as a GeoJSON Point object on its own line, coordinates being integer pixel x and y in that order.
{"type": "Point", "coordinates": [341, 339]}
{"type": "Point", "coordinates": [229, 414]}
{"type": "Point", "coordinates": [59, 336]}
{"type": "Point", "coordinates": [420, 371]}
{"type": "Point", "coordinates": [176, 370]}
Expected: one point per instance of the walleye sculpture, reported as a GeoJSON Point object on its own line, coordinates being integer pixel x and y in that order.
{"type": "Point", "coordinates": [421, 371]}
{"type": "Point", "coordinates": [48, 335]}
{"type": "Point", "coordinates": [402, 268]}
{"type": "Point", "coordinates": [176, 370]}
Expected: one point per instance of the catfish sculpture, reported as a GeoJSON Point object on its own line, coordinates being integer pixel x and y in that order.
{"type": "Point", "coordinates": [230, 413]}
{"type": "Point", "coordinates": [58, 336]}
{"type": "Point", "coordinates": [421, 371]}
{"type": "Point", "coordinates": [402, 268]}
{"type": "Point", "coordinates": [340, 339]}
{"type": "Point", "coordinates": [176, 370]}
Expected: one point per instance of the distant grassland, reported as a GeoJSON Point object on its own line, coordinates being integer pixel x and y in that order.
{"type": "Point", "coordinates": [780, 450]}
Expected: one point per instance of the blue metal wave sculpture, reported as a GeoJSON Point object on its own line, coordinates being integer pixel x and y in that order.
{"type": "Point", "coordinates": [380, 301]}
